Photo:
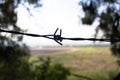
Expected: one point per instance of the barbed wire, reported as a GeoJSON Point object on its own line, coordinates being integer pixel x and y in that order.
{"type": "Point", "coordinates": [57, 36]}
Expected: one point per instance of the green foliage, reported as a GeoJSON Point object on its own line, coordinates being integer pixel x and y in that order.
{"type": "Point", "coordinates": [50, 71]}
{"type": "Point", "coordinates": [14, 63]}
{"type": "Point", "coordinates": [109, 19]}
{"type": "Point", "coordinates": [90, 12]}
{"type": "Point", "coordinates": [35, 2]}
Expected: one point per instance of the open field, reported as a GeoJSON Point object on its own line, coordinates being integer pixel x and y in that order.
{"type": "Point", "coordinates": [95, 62]}
{"type": "Point", "coordinates": [38, 51]}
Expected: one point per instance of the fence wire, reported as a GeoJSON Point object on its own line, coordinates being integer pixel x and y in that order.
{"type": "Point", "coordinates": [57, 36]}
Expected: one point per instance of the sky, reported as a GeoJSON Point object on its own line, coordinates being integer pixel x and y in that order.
{"type": "Point", "coordinates": [63, 14]}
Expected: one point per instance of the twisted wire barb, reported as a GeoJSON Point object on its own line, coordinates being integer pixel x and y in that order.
{"type": "Point", "coordinates": [57, 37]}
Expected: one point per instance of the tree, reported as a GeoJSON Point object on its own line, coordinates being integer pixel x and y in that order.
{"type": "Point", "coordinates": [107, 12]}
{"type": "Point", "coordinates": [13, 53]}
{"type": "Point", "coordinates": [48, 70]}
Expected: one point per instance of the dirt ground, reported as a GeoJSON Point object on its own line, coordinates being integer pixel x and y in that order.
{"type": "Point", "coordinates": [36, 51]}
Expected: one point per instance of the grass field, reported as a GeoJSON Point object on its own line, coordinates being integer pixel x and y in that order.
{"type": "Point", "coordinates": [95, 62]}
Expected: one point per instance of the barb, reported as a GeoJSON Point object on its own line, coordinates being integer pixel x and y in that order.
{"type": "Point", "coordinates": [57, 36]}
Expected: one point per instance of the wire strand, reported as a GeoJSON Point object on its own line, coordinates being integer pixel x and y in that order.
{"type": "Point", "coordinates": [57, 37]}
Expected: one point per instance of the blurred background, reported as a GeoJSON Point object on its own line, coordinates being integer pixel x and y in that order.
{"type": "Point", "coordinates": [37, 58]}
{"type": "Point", "coordinates": [54, 14]}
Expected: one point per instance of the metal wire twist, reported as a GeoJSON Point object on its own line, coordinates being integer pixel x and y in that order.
{"type": "Point", "coordinates": [57, 37]}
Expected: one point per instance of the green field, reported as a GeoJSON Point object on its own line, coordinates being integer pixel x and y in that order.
{"type": "Point", "coordinates": [95, 62]}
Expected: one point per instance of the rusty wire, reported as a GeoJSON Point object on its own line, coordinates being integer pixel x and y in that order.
{"type": "Point", "coordinates": [57, 36]}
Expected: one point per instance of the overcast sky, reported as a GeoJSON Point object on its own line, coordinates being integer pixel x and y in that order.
{"type": "Point", "coordinates": [63, 14]}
